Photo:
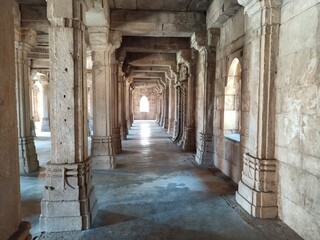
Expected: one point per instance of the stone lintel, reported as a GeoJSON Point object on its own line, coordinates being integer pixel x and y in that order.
{"type": "Point", "coordinates": [157, 24]}
{"type": "Point", "coordinates": [155, 44]}
{"type": "Point", "coordinates": [220, 11]}
{"type": "Point", "coordinates": [151, 59]}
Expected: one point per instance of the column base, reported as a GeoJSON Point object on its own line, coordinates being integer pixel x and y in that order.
{"type": "Point", "coordinates": [188, 140]}
{"type": "Point", "coordinates": [116, 140]}
{"type": "Point", "coordinates": [171, 126]}
{"type": "Point", "coordinates": [204, 154]}
{"type": "Point", "coordinates": [257, 204]}
{"type": "Point", "coordinates": [103, 156]}
{"type": "Point", "coordinates": [45, 125]}
{"type": "Point", "coordinates": [28, 159]}
{"type": "Point", "coordinates": [124, 132]}
{"type": "Point", "coordinates": [69, 202]}
{"type": "Point", "coordinates": [257, 188]}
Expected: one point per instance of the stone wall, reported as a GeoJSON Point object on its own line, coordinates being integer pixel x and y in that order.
{"type": "Point", "coordinates": [148, 91]}
{"type": "Point", "coordinates": [227, 152]}
{"type": "Point", "coordinates": [298, 116]}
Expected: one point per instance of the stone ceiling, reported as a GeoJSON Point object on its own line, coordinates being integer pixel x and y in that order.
{"type": "Point", "coordinates": [161, 5]}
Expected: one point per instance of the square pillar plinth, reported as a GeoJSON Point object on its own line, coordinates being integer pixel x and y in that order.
{"type": "Point", "coordinates": [69, 202]}
{"type": "Point", "coordinates": [257, 188]}
{"type": "Point", "coordinates": [102, 153]}
{"type": "Point", "coordinates": [204, 154]}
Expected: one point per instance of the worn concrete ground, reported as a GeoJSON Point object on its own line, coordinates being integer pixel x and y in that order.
{"type": "Point", "coordinates": [156, 193]}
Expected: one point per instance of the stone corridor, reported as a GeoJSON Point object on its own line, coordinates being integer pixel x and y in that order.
{"type": "Point", "coordinates": [156, 193]}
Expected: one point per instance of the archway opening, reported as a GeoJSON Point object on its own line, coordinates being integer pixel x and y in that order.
{"type": "Point", "coordinates": [232, 102]}
{"type": "Point", "coordinates": [144, 104]}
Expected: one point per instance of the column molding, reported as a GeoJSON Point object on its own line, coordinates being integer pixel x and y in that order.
{"type": "Point", "coordinates": [257, 191]}
{"type": "Point", "coordinates": [69, 202]}
{"type": "Point", "coordinates": [106, 141]}
{"type": "Point", "coordinates": [25, 41]}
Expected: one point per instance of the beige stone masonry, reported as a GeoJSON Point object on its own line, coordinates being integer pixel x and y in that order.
{"type": "Point", "coordinates": [25, 40]}
{"type": "Point", "coordinates": [257, 191]}
{"type": "Point", "coordinates": [10, 217]}
{"type": "Point", "coordinates": [69, 202]}
{"type": "Point", "coordinates": [106, 141]}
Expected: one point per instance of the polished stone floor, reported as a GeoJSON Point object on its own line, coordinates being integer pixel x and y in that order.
{"type": "Point", "coordinates": [156, 193]}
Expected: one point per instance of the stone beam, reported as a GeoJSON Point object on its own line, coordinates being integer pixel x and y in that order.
{"type": "Point", "coordinates": [152, 44]}
{"type": "Point", "coordinates": [150, 69]}
{"type": "Point", "coordinates": [157, 24]}
{"type": "Point", "coordinates": [220, 11]}
{"type": "Point", "coordinates": [35, 17]}
{"type": "Point", "coordinates": [151, 59]}
{"type": "Point", "coordinates": [148, 75]}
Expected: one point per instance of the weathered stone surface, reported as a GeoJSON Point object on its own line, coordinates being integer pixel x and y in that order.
{"type": "Point", "coordinates": [297, 117]}
{"type": "Point", "coordinates": [160, 24]}
{"type": "Point", "coordinates": [9, 167]}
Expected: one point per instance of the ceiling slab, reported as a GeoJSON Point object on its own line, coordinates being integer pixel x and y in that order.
{"type": "Point", "coordinates": [157, 24]}
{"type": "Point", "coordinates": [161, 5]}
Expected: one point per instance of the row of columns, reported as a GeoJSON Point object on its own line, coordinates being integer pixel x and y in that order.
{"type": "Point", "coordinates": [69, 200]}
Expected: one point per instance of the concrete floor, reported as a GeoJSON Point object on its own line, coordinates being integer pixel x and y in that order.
{"type": "Point", "coordinates": [156, 193]}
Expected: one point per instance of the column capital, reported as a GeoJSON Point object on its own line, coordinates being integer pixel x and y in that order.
{"type": "Point", "coordinates": [26, 36]}
{"type": "Point", "coordinates": [101, 38]}
{"type": "Point", "coordinates": [213, 36]}
{"type": "Point", "coordinates": [186, 56]}
{"type": "Point", "coordinates": [199, 40]}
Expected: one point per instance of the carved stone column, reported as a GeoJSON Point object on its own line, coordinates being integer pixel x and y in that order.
{"type": "Point", "coordinates": [25, 40]}
{"type": "Point", "coordinates": [165, 106]}
{"type": "Point", "coordinates": [257, 191]}
{"type": "Point", "coordinates": [121, 101]}
{"type": "Point", "coordinates": [187, 58]}
{"type": "Point", "coordinates": [206, 59]}
{"type": "Point", "coordinates": [103, 73]}
{"type": "Point", "coordinates": [68, 202]}
{"type": "Point", "coordinates": [90, 100]}
{"type": "Point", "coordinates": [115, 39]}
{"type": "Point", "coordinates": [172, 99]}
{"type": "Point", "coordinates": [45, 125]}
{"type": "Point", "coordinates": [131, 89]}
{"type": "Point", "coordinates": [9, 165]}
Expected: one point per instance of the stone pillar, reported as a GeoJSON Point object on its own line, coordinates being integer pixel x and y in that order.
{"type": "Point", "coordinates": [35, 92]}
{"type": "Point", "coordinates": [188, 139]}
{"type": "Point", "coordinates": [131, 89]}
{"type": "Point", "coordinates": [25, 40]}
{"type": "Point", "coordinates": [206, 58]}
{"type": "Point", "coordinates": [9, 163]}
{"type": "Point", "coordinates": [122, 103]}
{"type": "Point", "coordinates": [171, 103]}
{"type": "Point", "coordinates": [165, 93]}
{"type": "Point", "coordinates": [257, 191]}
{"type": "Point", "coordinates": [68, 202]}
{"type": "Point", "coordinates": [45, 124]}
{"type": "Point", "coordinates": [103, 73]}
{"type": "Point", "coordinates": [90, 100]}
{"type": "Point", "coordinates": [116, 42]}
